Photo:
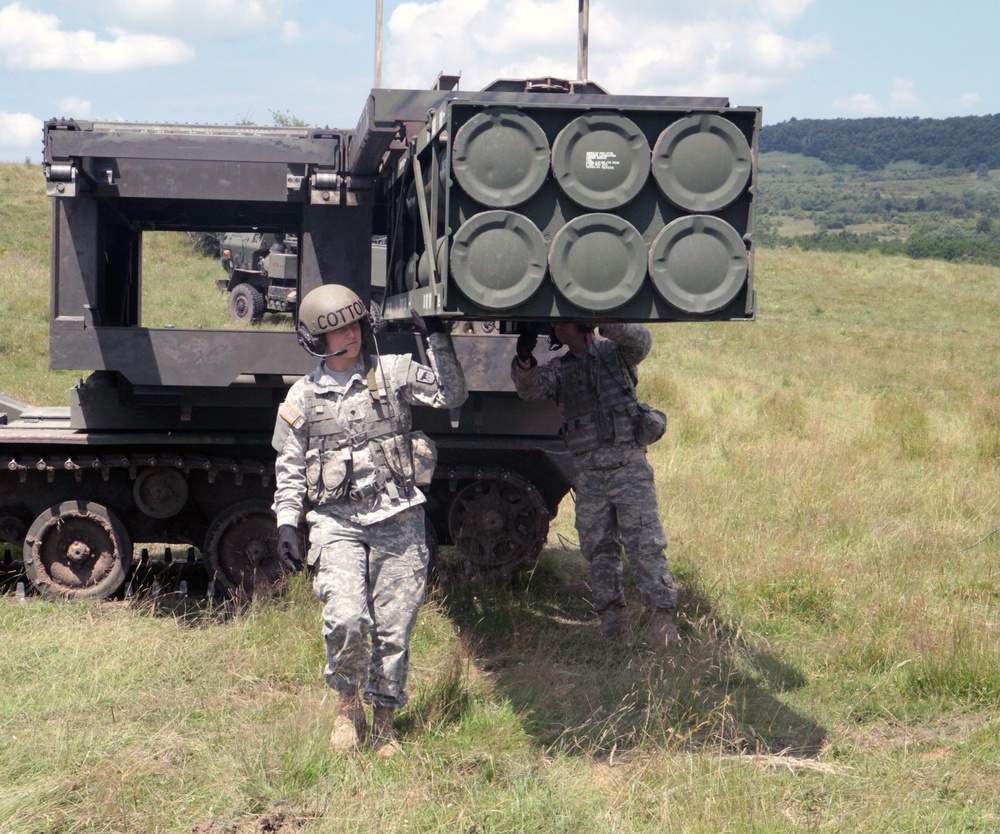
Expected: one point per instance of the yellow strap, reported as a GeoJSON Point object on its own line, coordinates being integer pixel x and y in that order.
{"type": "Point", "coordinates": [373, 385]}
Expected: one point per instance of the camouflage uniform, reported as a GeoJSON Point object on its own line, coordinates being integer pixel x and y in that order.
{"type": "Point", "coordinates": [345, 458]}
{"type": "Point", "coordinates": [616, 505]}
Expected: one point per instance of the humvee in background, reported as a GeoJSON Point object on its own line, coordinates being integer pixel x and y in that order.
{"type": "Point", "coordinates": [262, 274]}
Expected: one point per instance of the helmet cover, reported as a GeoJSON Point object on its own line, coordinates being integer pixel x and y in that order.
{"type": "Point", "coordinates": [330, 307]}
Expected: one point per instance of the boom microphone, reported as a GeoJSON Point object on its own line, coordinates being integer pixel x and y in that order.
{"type": "Point", "coordinates": [311, 344]}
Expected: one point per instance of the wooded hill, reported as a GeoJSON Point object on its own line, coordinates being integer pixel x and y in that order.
{"type": "Point", "coordinates": [963, 142]}
{"type": "Point", "coordinates": [927, 188]}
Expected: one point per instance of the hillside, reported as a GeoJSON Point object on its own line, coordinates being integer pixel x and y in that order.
{"type": "Point", "coordinates": [967, 142]}
{"type": "Point", "coordinates": [922, 187]}
{"type": "Point", "coordinates": [829, 483]}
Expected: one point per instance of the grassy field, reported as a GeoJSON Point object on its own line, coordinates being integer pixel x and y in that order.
{"type": "Point", "coordinates": [829, 481]}
{"type": "Point", "coordinates": [178, 289]}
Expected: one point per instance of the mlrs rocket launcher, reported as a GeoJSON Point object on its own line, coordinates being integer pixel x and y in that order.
{"type": "Point", "coordinates": [529, 201]}
{"type": "Point", "coordinates": [515, 204]}
{"type": "Point", "coordinates": [499, 204]}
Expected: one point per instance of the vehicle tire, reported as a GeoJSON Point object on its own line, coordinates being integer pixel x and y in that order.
{"type": "Point", "coordinates": [499, 523]}
{"type": "Point", "coordinates": [241, 549]}
{"type": "Point", "coordinates": [160, 492]}
{"type": "Point", "coordinates": [246, 304]}
{"type": "Point", "coordinates": [77, 550]}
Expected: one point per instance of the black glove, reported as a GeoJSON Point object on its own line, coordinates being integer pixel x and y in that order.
{"type": "Point", "coordinates": [426, 326]}
{"type": "Point", "coordinates": [526, 341]}
{"type": "Point", "coordinates": [289, 549]}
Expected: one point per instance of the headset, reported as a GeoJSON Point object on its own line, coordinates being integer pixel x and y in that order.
{"type": "Point", "coordinates": [312, 344]}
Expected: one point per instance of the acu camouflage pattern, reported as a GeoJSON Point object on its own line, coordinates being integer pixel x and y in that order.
{"type": "Point", "coordinates": [371, 581]}
{"type": "Point", "coordinates": [370, 553]}
{"type": "Point", "coordinates": [615, 509]}
{"type": "Point", "coordinates": [616, 504]}
{"type": "Point", "coordinates": [625, 346]}
{"type": "Point", "coordinates": [401, 380]}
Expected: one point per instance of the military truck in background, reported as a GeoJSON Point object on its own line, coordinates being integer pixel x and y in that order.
{"type": "Point", "coordinates": [529, 201]}
{"type": "Point", "coordinates": [262, 274]}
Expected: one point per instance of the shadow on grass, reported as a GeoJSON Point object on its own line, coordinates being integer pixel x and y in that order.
{"type": "Point", "coordinates": [535, 636]}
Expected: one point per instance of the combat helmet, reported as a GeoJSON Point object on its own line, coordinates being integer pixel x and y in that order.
{"type": "Point", "coordinates": [584, 326]}
{"type": "Point", "coordinates": [327, 308]}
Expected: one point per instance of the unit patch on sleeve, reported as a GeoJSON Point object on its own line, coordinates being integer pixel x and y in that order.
{"type": "Point", "coordinates": [425, 376]}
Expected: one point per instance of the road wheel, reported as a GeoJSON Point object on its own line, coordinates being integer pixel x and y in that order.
{"type": "Point", "coordinates": [246, 304]}
{"type": "Point", "coordinates": [241, 549]}
{"type": "Point", "coordinates": [499, 523]}
{"type": "Point", "coordinates": [160, 492]}
{"type": "Point", "coordinates": [77, 550]}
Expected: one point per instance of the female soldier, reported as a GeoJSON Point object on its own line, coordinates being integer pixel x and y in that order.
{"type": "Point", "coordinates": [348, 461]}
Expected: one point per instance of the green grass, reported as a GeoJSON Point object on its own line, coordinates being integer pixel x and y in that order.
{"type": "Point", "coordinates": [25, 238]}
{"type": "Point", "coordinates": [179, 287]}
{"type": "Point", "coordinates": [829, 482]}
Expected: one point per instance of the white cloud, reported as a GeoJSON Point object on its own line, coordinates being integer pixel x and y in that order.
{"type": "Point", "coordinates": [431, 37]}
{"type": "Point", "coordinates": [201, 19]}
{"type": "Point", "coordinates": [903, 98]}
{"type": "Point", "coordinates": [731, 48]}
{"type": "Point", "coordinates": [769, 50]}
{"type": "Point", "coordinates": [784, 9]}
{"type": "Point", "coordinates": [34, 41]}
{"type": "Point", "coordinates": [526, 26]}
{"type": "Point", "coordinates": [76, 107]}
{"type": "Point", "coordinates": [19, 130]}
{"type": "Point", "coordinates": [964, 103]}
{"type": "Point", "coordinates": [290, 32]}
{"type": "Point", "coordinates": [860, 104]}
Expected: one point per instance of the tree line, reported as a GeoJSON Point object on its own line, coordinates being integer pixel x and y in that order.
{"type": "Point", "coordinates": [967, 142]}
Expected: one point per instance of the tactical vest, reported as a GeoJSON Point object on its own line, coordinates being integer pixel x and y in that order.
{"type": "Point", "coordinates": [598, 399]}
{"type": "Point", "coordinates": [337, 466]}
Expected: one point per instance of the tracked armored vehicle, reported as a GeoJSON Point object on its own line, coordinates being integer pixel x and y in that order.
{"type": "Point", "coordinates": [524, 202]}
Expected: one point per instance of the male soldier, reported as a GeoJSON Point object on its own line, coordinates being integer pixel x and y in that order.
{"type": "Point", "coordinates": [347, 459]}
{"type": "Point", "coordinates": [594, 385]}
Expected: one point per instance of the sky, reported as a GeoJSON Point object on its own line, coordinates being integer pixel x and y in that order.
{"type": "Point", "coordinates": [226, 61]}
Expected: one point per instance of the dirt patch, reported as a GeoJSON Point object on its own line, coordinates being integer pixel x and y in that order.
{"type": "Point", "coordinates": [272, 822]}
{"type": "Point", "coordinates": [930, 738]}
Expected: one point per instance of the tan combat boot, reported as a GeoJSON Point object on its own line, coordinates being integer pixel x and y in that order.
{"type": "Point", "coordinates": [662, 633]}
{"type": "Point", "coordinates": [384, 734]}
{"type": "Point", "coordinates": [350, 725]}
{"type": "Point", "coordinates": [612, 625]}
